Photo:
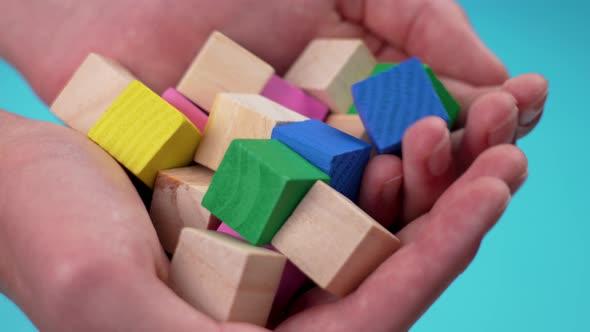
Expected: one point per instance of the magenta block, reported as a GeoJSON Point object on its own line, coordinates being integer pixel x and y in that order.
{"type": "Point", "coordinates": [291, 281]}
{"type": "Point", "coordinates": [186, 107]}
{"type": "Point", "coordinates": [280, 91]}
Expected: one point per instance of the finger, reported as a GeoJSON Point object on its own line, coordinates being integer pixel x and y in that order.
{"type": "Point", "coordinates": [428, 265]}
{"type": "Point", "coordinates": [465, 94]}
{"type": "Point", "coordinates": [530, 91]}
{"type": "Point", "coordinates": [380, 193]}
{"type": "Point", "coordinates": [419, 26]}
{"type": "Point", "coordinates": [427, 164]}
{"type": "Point", "coordinates": [493, 120]}
{"type": "Point", "coordinates": [523, 131]}
{"type": "Point", "coordinates": [504, 162]}
{"type": "Point", "coordinates": [399, 291]}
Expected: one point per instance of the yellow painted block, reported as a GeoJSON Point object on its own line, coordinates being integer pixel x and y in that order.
{"type": "Point", "coordinates": [145, 133]}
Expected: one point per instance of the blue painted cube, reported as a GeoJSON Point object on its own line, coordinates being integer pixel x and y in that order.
{"type": "Point", "coordinates": [390, 102]}
{"type": "Point", "coordinates": [341, 156]}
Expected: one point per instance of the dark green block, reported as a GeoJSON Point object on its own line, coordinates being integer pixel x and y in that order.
{"type": "Point", "coordinates": [451, 106]}
{"type": "Point", "coordinates": [258, 185]}
{"type": "Point", "coordinates": [449, 103]}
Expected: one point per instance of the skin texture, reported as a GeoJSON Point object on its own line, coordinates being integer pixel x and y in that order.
{"type": "Point", "coordinates": [77, 249]}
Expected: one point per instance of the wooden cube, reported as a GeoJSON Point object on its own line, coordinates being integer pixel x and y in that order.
{"type": "Point", "coordinates": [336, 153]}
{"type": "Point", "coordinates": [282, 92]}
{"type": "Point", "coordinates": [390, 102]}
{"type": "Point", "coordinates": [176, 203]}
{"type": "Point", "coordinates": [145, 133]}
{"type": "Point", "coordinates": [186, 107]}
{"type": "Point", "coordinates": [327, 68]}
{"type": "Point", "coordinates": [258, 185]}
{"type": "Point", "coordinates": [223, 66]}
{"type": "Point", "coordinates": [451, 106]}
{"type": "Point", "coordinates": [291, 281]}
{"type": "Point", "coordinates": [95, 85]}
{"type": "Point", "coordinates": [239, 116]}
{"type": "Point", "coordinates": [333, 241]}
{"type": "Point", "coordinates": [224, 277]}
{"type": "Point", "coordinates": [350, 124]}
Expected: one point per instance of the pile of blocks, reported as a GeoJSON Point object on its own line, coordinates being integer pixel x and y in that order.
{"type": "Point", "coordinates": [255, 176]}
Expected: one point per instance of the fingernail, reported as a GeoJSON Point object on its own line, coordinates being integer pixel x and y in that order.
{"type": "Point", "coordinates": [504, 132]}
{"type": "Point", "coordinates": [531, 114]}
{"type": "Point", "coordinates": [391, 189]}
{"type": "Point", "coordinates": [440, 159]}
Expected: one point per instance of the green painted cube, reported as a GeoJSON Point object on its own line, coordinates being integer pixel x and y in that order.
{"type": "Point", "coordinates": [449, 103]}
{"type": "Point", "coordinates": [451, 106]}
{"type": "Point", "coordinates": [258, 185]}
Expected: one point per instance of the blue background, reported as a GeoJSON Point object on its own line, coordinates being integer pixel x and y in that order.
{"type": "Point", "coordinates": [532, 271]}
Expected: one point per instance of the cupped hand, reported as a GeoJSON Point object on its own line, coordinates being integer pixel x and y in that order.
{"type": "Point", "coordinates": [102, 256]}
{"type": "Point", "coordinates": [158, 39]}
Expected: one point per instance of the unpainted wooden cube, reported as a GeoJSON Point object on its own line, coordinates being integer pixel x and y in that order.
{"type": "Point", "coordinates": [95, 85]}
{"type": "Point", "coordinates": [333, 241]}
{"type": "Point", "coordinates": [222, 65]}
{"type": "Point", "coordinates": [350, 124]}
{"type": "Point", "coordinates": [226, 278]}
{"type": "Point", "coordinates": [239, 116]}
{"type": "Point", "coordinates": [327, 69]}
{"type": "Point", "coordinates": [176, 203]}
{"type": "Point", "coordinates": [291, 281]}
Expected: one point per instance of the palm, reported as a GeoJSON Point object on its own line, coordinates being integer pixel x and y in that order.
{"type": "Point", "coordinates": [158, 40]}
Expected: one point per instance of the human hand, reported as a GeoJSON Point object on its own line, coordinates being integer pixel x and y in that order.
{"type": "Point", "coordinates": [82, 254]}
{"type": "Point", "coordinates": [159, 39]}
{"type": "Point", "coordinates": [163, 58]}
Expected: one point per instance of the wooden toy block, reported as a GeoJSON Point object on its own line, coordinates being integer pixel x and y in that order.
{"type": "Point", "coordinates": [328, 67]}
{"type": "Point", "coordinates": [176, 203]}
{"type": "Point", "coordinates": [223, 66]}
{"type": "Point", "coordinates": [393, 100]}
{"type": "Point", "coordinates": [291, 281]}
{"type": "Point", "coordinates": [226, 278]}
{"type": "Point", "coordinates": [350, 124]}
{"type": "Point", "coordinates": [333, 241]}
{"type": "Point", "coordinates": [295, 99]}
{"type": "Point", "coordinates": [145, 133]}
{"type": "Point", "coordinates": [338, 154]}
{"type": "Point", "coordinates": [449, 103]}
{"type": "Point", "coordinates": [257, 186]}
{"type": "Point", "coordinates": [186, 107]}
{"type": "Point", "coordinates": [451, 106]}
{"type": "Point", "coordinates": [379, 68]}
{"type": "Point", "coordinates": [92, 89]}
{"type": "Point", "coordinates": [236, 116]}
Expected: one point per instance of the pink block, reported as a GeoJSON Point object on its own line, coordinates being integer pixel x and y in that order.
{"type": "Point", "coordinates": [280, 91]}
{"type": "Point", "coordinates": [192, 112]}
{"type": "Point", "coordinates": [292, 280]}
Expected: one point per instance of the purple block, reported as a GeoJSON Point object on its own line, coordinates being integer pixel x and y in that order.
{"type": "Point", "coordinates": [280, 91]}
{"type": "Point", "coordinates": [186, 107]}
